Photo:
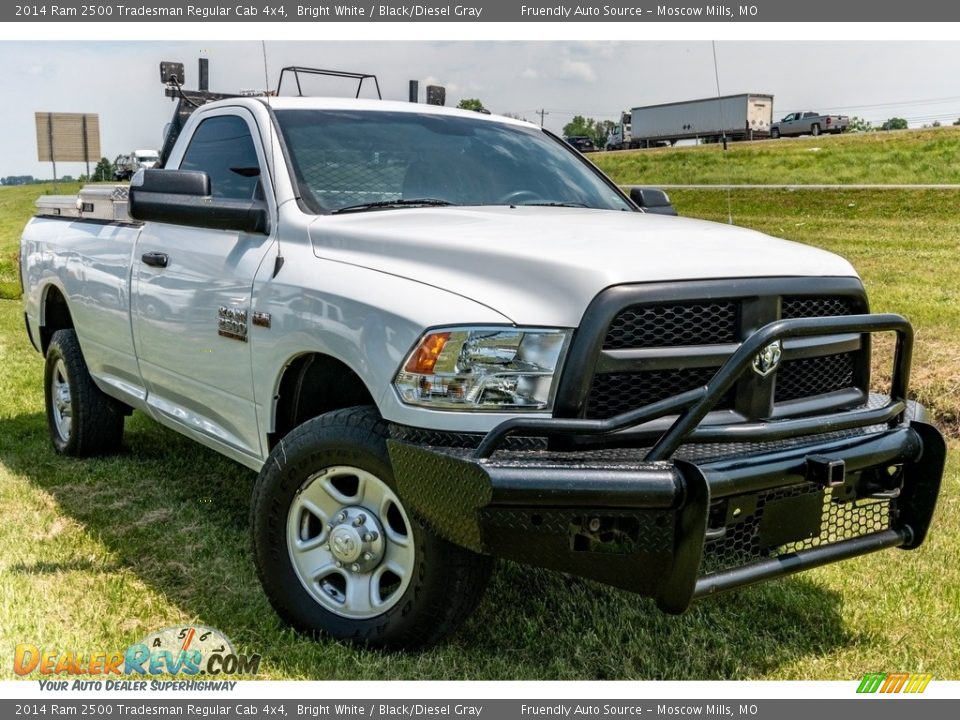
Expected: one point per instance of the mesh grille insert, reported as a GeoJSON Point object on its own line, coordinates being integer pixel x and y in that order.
{"type": "Point", "coordinates": [813, 376]}
{"type": "Point", "coordinates": [691, 322]}
{"type": "Point", "coordinates": [804, 307]}
{"type": "Point", "coordinates": [640, 326]}
{"type": "Point", "coordinates": [621, 392]}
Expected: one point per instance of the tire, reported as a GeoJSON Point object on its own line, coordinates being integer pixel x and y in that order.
{"type": "Point", "coordinates": [326, 496]}
{"type": "Point", "coordinates": [815, 130]}
{"type": "Point", "coordinates": [83, 420]}
{"type": "Point", "coordinates": [775, 134]}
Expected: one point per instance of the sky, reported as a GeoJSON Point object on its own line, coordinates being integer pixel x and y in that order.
{"type": "Point", "coordinates": [120, 80]}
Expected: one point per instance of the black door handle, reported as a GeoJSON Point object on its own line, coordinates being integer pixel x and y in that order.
{"type": "Point", "coordinates": [155, 259]}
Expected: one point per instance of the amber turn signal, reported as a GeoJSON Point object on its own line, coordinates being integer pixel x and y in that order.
{"type": "Point", "coordinates": [424, 358]}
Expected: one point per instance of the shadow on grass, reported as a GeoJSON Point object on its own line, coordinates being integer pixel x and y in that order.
{"type": "Point", "coordinates": [175, 514]}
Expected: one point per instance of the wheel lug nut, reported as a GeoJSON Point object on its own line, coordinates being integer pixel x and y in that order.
{"type": "Point", "coordinates": [355, 567]}
{"type": "Point", "coordinates": [373, 536]}
{"type": "Point", "coordinates": [367, 537]}
{"type": "Point", "coordinates": [359, 520]}
{"type": "Point", "coordinates": [329, 526]}
{"type": "Point", "coordinates": [341, 517]}
{"type": "Point", "coordinates": [368, 556]}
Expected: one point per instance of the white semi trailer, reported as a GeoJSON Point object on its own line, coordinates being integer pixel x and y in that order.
{"type": "Point", "coordinates": [735, 117]}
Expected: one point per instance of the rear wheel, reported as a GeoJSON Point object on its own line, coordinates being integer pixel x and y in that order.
{"type": "Point", "coordinates": [815, 130]}
{"type": "Point", "coordinates": [338, 552]}
{"type": "Point", "coordinates": [82, 419]}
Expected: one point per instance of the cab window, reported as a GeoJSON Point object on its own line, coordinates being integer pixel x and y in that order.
{"type": "Point", "coordinates": [223, 148]}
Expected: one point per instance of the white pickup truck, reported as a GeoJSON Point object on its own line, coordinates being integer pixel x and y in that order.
{"type": "Point", "coordinates": [442, 337]}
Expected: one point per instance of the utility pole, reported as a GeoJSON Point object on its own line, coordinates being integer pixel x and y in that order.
{"type": "Point", "coordinates": [541, 113]}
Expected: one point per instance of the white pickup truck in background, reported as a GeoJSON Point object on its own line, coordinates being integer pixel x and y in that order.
{"type": "Point", "coordinates": [809, 123]}
{"type": "Point", "coordinates": [441, 337]}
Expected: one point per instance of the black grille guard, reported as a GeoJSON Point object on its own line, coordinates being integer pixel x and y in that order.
{"type": "Point", "coordinates": [539, 506]}
{"type": "Point", "coordinates": [694, 405]}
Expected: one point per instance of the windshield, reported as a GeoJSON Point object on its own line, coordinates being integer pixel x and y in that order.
{"type": "Point", "coordinates": [361, 159]}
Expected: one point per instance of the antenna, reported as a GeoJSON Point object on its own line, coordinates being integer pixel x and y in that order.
{"type": "Point", "coordinates": [723, 130]}
{"type": "Point", "coordinates": [278, 263]}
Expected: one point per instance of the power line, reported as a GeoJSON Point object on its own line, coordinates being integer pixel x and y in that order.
{"type": "Point", "coordinates": [929, 101]}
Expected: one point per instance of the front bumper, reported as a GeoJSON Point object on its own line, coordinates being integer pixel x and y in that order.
{"type": "Point", "coordinates": [700, 510]}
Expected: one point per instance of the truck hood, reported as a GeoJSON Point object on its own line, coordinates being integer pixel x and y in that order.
{"type": "Point", "coordinates": [543, 265]}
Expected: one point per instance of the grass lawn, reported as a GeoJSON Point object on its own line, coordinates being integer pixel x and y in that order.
{"type": "Point", "coordinates": [16, 207]}
{"type": "Point", "coordinates": [95, 554]}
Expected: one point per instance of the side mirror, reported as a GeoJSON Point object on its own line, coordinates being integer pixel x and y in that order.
{"type": "Point", "coordinates": [652, 200]}
{"type": "Point", "coordinates": [182, 197]}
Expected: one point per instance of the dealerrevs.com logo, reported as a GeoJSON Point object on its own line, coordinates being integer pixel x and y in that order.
{"type": "Point", "coordinates": [894, 683]}
{"type": "Point", "coordinates": [184, 651]}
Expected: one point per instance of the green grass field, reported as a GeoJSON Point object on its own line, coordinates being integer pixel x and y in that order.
{"type": "Point", "coordinates": [909, 156]}
{"type": "Point", "coordinates": [16, 207]}
{"type": "Point", "coordinates": [98, 553]}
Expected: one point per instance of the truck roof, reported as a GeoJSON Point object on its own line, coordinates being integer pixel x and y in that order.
{"type": "Point", "coordinates": [339, 103]}
{"type": "Point", "coordinates": [714, 98]}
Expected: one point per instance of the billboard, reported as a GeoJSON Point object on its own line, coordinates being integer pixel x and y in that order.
{"type": "Point", "coordinates": [68, 137]}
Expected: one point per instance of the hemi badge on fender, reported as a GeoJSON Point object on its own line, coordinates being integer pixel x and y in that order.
{"type": "Point", "coordinates": [261, 319]}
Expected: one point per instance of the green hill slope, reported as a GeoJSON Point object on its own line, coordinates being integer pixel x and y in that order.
{"type": "Point", "coordinates": [907, 156]}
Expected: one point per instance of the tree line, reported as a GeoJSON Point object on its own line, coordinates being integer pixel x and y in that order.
{"type": "Point", "coordinates": [103, 172]}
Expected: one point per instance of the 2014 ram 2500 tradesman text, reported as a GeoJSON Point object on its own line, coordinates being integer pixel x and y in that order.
{"type": "Point", "coordinates": [441, 336]}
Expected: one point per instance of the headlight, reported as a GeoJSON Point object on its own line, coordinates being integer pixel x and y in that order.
{"type": "Point", "coordinates": [483, 369]}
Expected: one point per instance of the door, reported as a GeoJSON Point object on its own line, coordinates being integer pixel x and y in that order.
{"type": "Point", "coordinates": [760, 114]}
{"type": "Point", "coordinates": [192, 297]}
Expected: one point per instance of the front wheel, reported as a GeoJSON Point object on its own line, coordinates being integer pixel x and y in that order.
{"type": "Point", "coordinates": [338, 552]}
{"type": "Point", "coordinates": [775, 134]}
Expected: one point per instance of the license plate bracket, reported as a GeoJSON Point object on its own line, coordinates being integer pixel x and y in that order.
{"type": "Point", "coordinates": [791, 519]}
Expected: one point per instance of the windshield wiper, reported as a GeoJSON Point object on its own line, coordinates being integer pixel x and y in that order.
{"type": "Point", "coordinates": [421, 202]}
{"type": "Point", "coordinates": [556, 204]}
